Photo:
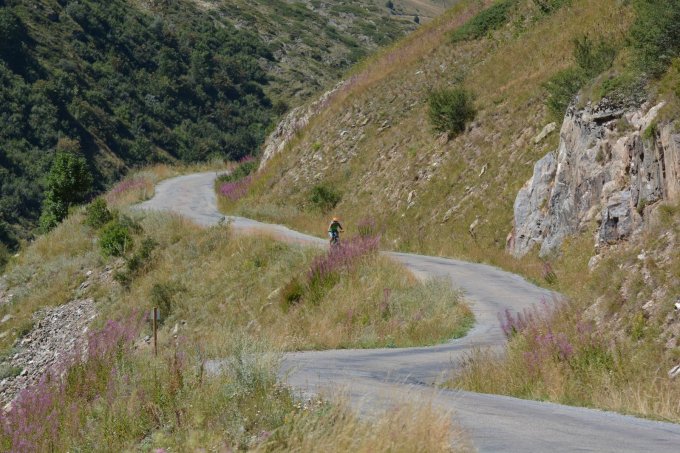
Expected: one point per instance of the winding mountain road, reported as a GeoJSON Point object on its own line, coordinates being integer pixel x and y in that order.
{"type": "Point", "coordinates": [375, 378]}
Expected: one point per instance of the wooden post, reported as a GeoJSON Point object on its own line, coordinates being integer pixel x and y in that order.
{"type": "Point", "coordinates": [155, 337]}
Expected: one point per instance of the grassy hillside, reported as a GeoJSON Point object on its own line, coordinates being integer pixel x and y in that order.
{"type": "Point", "coordinates": [212, 308]}
{"type": "Point", "coordinates": [131, 82]}
{"type": "Point", "coordinates": [375, 153]}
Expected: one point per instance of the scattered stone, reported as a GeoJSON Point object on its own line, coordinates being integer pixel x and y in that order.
{"type": "Point", "coordinates": [6, 318]}
{"type": "Point", "coordinates": [473, 226]}
{"type": "Point", "coordinates": [593, 262]}
{"type": "Point", "coordinates": [57, 332]}
{"type": "Point", "coordinates": [481, 173]}
{"type": "Point", "coordinates": [547, 130]}
{"type": "Point", "coordinates": [674, 372]}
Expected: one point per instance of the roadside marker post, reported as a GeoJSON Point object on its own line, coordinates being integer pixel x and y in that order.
{"type": "Point", "coordinates": [155, 317]}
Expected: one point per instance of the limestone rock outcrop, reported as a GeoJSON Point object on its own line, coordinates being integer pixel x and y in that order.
{"type": "Point", "coordinates": [610, 166]}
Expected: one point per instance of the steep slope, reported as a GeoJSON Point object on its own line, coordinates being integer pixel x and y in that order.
{"type": "Point", "coordinates": [147, 81]}
{"type": "Point", "coordinates": [374, 146]}
{"type": "Point", "coordinates": [577, 107]}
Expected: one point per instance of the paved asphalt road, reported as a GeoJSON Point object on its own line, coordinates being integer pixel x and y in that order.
{"type": "Point", "coordinates": [375, 378]}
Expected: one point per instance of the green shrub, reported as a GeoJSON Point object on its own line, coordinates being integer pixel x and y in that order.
{"type": "Point", "coordinates": [115, 239]}
{"type": "Point", "coordinates": [7, 371]}
{"type": "Point", "coordinates": [655, 35]}
{"type": "Point", "coordinates": [291, 294]}
{"type": "Point", "coordinates": [562, 88]}
{"type": "Point", "coordinates": [68, 182]}
{"type": "Point", "coordinates": [593, 57]}
{"type": "Point", "coordinates": [450, 109]}
{"type": "Point", "coordinates": [324, 197]}
{"type": "Point", "coordinates": [549, 6]}
{"type": "Point", "coordinates": [97, 214]}
{"type": "Point", "coordinates": [163, 295]}
{"type": "Point", "coordinates": [624, 88]}
{"type": "Point", "coordinates": [4, 256]}
{"type": "Point", "coordinates": [488, 20]}
{"type": "Point", "coordinates": [241, 171]}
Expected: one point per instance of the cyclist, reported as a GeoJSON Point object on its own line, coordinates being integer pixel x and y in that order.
{"type": "Point", "coordinates": [334, 230]}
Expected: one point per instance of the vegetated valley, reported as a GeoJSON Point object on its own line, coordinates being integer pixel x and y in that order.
{"type": "Point", "coordinates": [126, 83]}
{"type": "Point", "coordinates": [91, 89]}
{"type": "Point", "coordinates": [538, 136]}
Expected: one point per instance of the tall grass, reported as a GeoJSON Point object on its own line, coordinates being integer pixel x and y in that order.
{"type": "Point", "coordinates": [608, 347]}
{"type": "Point", "coordinates": [405, 428]}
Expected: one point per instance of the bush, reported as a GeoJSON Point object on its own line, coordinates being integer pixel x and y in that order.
{"type": "Point", "coordinates": [549, 6]}
{"type": "Point", "coordinates": [451, 110]}
{"type": "Point", "coordinates": [68, 182]}
{"type": "Point", "coordinates": [115, 239]}
{"type": "Point", "coordinates": [324, 197]}
{"type": "Point", "coordinates": [655, 35]}
{"type": "Point", "coordinates": [97, 214]}
{"type": "Point", "coordinates": [163, 296]}
{"type": "Point", "coordinates": [488, 20]}
{"type": "Point", "coordinates": [291, 294]}
{"type": "Point", "coordinates": [244, 169]}
{"type": "Point", "coordinates": [4, 256]}
{"type": "Point", "coordinates": [562, 88]}
{"type": "Point", "coordinates": [592, 57]}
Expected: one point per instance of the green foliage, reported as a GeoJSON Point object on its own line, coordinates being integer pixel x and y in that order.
{"type": "Point", "coordinates": [593, 57]}
{"type": "Point", "coordinates": [324, 197]}
{"type": "Point", "coordinates": [291, 294]}
{"type": "Point", "coordinates": [241, 171]}
{"type": "Point", "coordinates": [164, 296]}
{"type": "Point", "coordinates": [549, 6]}
{"type": "Point", "coordinates": [562, 88]}
{"type": "Point", "coordinates": [115, 239]}
{"type": "Point", "coordinates": [4, 256]}
{"type": "Point", "coordinates": [655, 35]}
{"type": "Point", "coordinates": [626, 87]}
{"type": "Point", "coordinates": [7, 371]}
{"type": "Point", "coordinates": [97, 214]}
{"type": "Point", "coordinates": [111, 74]}
{"type": "Point", "coordinates": [486, 21]}
{"type": "Point", "coordinates": [450, 109]}
{"type": "Point", "coordinates": [13, 35]}
{"type": "Point", "coordinates": [68, 183]}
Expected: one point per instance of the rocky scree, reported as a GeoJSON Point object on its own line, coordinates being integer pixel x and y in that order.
{"type": "Point", "coordinates": [58, 334]}
{"type": "Point", "coordinates": [610, 166]}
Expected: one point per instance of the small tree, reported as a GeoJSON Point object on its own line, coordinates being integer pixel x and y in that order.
{"type": "Point", "coordinates": [451, 109]}
{"type": "Point", "coordinates": [68, 182]}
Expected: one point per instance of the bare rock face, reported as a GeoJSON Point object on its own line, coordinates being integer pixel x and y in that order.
{"type": "Point", "coordinates": [296, 120]}
{"type": "Point", "coordinates": [603, 170]}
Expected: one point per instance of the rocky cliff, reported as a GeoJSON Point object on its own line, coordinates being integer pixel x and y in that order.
{"type": "Point", "coordinates": [610, 166]}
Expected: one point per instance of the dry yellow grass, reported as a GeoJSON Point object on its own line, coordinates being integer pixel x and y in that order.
{"type": "Point", "coordinates": [406, 428]}
{"type": "Point", "coordinates": [208, 279]}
